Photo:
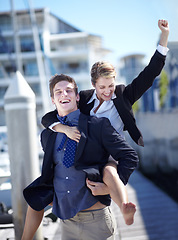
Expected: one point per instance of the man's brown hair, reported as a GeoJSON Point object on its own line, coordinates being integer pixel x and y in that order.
{"type": "Point", "coordinates": [59, 78]}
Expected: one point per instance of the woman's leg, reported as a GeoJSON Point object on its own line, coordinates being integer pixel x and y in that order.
{"type": "Point", "coordinates": [32, 222]}
{"type": "Point", "coordinates": [118, 192]}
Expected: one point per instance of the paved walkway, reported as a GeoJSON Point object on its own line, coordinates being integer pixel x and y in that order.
{"type": "Point", "coordinates": [156, 217]}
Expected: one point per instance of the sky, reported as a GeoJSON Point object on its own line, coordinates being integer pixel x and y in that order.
{"type": "Point", "coordinates": [126, 27]}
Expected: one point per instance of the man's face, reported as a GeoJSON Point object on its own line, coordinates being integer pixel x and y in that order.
{"type": "Point", "coordinates": [65, 98]}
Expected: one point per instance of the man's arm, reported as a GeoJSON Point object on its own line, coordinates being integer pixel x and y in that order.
{"type": "Point", "coordinates": [97, 188]}
{"type": "Point", "coordinates": [120, 150]}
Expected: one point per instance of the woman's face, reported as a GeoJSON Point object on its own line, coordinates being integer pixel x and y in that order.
{"type": "Point", "coordinates": [105, 88]}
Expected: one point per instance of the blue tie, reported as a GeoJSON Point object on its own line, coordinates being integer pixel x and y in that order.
{"type": "Point", "coordinates": [69, 154]}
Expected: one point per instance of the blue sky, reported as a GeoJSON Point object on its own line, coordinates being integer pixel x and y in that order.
{"type": "Point", "coordinates": [125, 26]}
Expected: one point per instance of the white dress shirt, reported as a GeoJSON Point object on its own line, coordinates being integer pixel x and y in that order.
{"type": "Point", "coordinates": [108, 110]}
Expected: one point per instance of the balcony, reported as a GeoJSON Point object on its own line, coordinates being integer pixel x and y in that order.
{"type": "Point", "coordinates": [70, 51]}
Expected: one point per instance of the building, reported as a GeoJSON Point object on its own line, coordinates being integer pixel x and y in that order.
{"type": "Point", "coordinates": [171, 68]}
{"type": "Point", "coordinates": [39, 44]}
{"type": "Point", "coordinates": [130, 66]}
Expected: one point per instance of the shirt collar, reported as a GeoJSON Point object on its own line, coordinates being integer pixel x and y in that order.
{"type": "Point", "coordinates": [73, 117]}
{"type": "Point", "coordinates": [94, 97]}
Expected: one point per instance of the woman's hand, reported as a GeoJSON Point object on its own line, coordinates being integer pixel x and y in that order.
{"type": "Point", "coordinates": [71, 132]}
{"type": "Point", "coordinates": [164, 27]}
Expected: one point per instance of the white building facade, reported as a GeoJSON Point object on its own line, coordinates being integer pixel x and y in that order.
{"type": "Point", "coordinates": [39, 45]}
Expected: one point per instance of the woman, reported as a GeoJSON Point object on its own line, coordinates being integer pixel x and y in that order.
{"type": "Point", "coordinates": [115, 103]}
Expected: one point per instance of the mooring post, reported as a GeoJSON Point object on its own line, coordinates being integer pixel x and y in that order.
{"type": "Point", "coordinates": [22, 146]}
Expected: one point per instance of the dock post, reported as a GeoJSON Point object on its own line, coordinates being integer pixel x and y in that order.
{"type": "Point", "coordinates": [22, 146]}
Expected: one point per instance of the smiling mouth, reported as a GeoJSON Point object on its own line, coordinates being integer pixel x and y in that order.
{"type": "Point", "coordinates": [108, 95]}
{"type": "Point", "coordinates": [65, 101]}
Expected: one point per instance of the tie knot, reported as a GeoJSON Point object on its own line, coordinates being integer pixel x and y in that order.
{"type": "Point", "coordinates": [62, 119]}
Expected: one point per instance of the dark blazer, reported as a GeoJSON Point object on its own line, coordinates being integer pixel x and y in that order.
{"type": "Point", "coordinates": [98, 140]}
{"type": "Point", "coordinates": [126, 96]}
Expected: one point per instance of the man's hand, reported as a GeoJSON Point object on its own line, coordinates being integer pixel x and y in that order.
{"type": "Point", "coordinates": [97, 188]}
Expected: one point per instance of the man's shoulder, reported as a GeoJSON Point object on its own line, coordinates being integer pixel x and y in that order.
{"type": "Point", "coordinates": [47, 116]}
{"type": "Point", "coordinates": [46, 133]}
{"type": "Point", "coordinates": [93, 120]}
{"type": "Point", "coordinates": [86, 94]}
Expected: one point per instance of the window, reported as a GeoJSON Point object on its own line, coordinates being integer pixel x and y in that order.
{"type": "Point", "coordinates": [10, 69]}
{"type": "Point", "coordinates": [6, 45]}
{"type": "Point", "coordinates": [5, 21]}
{"type": "Point", "coordinates": [27, 44]}
{"type": "Point", "coordinates": [36, 88]}
{"type": "Point", "coordinates": [2, 92]}
{"type": "Point", "coordinates": [1, 73]}
{"type": "Point", "coordinates": [24, 22]}
{"type": "Point", "coordinates": [74, 67]}
{"type": "Point", "coordinates": [30, 69]}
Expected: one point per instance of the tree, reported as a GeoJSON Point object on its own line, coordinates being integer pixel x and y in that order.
{"type": "Point", "coordinates": [135, 107]}
{"type": "Point", "coordinates": [163, 87]}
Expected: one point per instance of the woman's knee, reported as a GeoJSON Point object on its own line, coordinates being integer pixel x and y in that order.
{"type": "Point", "coordinates": [109, 172]}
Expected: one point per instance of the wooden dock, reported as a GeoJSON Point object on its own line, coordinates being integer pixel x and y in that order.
{"type": "Point", "coordinates": [157, 214]}
{"type": "Point", "coordinates": [156, 217]}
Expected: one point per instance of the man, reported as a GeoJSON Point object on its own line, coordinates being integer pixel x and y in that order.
{"type": "Point", "coordinates": [83, 216]}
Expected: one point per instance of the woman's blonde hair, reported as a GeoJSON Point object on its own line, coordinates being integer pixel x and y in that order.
{"type": "Point", "coordinates": [102, 69]}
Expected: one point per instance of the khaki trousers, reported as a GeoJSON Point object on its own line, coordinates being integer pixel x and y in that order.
{"type": "Point", "coordinates": [89, 225]}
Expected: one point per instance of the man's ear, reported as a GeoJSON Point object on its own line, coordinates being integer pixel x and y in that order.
{"type": "Point", "coordinates": [52, 100]}
{"type": "Point", "coordinates": [78, 97]}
